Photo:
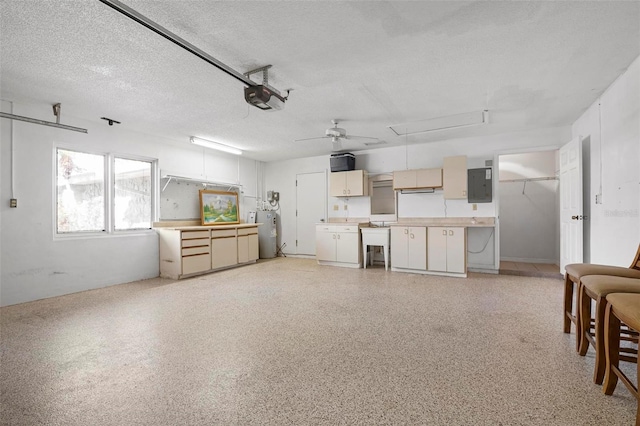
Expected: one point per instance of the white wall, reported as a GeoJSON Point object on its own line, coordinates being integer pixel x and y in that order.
{"type": "Point", "coordinates": [613, 127]}
{"type": "Point", "coordinates": [34, 265]}
{"type": "Point", "coordinates": [280, 176]}
{"type": "Point", "coordinates": [529, 230]}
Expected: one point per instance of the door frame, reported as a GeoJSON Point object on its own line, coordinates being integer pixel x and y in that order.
{"type": "Point", "coordinates": [496, 190]}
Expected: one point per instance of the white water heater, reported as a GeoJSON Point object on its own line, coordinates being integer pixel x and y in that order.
{"type": "Point", "coordinates": [267, 234]}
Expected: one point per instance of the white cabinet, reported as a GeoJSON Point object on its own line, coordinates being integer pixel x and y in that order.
{"type": "Point", "coordinates": [224, 248]}
{"type": "Point", "coordinates": [418, 178]}
{"type": "Point", "coordinates": [247, 245]}
{"type": "Point", "coordinates": [454, 177]}
{"type": "Point", "coordinates": [409, 247]}
{"type": "Point", "coordinates": [338, 245]}
{"type": "Point", "coordinates": [447, 249]}
{"type": "Point", "coordinates": [348, 184]}
{"type": "Point", "coordinates": [196, 250]}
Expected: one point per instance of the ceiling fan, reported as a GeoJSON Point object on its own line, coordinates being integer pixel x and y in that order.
{"type": "Point", "coordinates": [337, 135]}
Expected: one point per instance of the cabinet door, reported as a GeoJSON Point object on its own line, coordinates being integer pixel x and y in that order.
{"type": "Point", "coordinates": [454, 175]}
{"type": "Point", "coordinates": [456, 250]}
{"type": "Point", "coordinates": [347, 247]}
{"type": "Point", "coordinates": [338, 184]}
{"type": "Point", "coordinates": [355, 183]}
{"type": "Point", "coordinates": [417, 248]}
{"type": "Point", "coordinates": [399, 247]}
{"type": "Point", "coordinates": [326, 246]}
{"type": "Point", "coordinates": [224, 252]}
{"type": "Point", "coordinates": [404, 179]}
{"type": "Point", "coordinates": [437, 249]}
{"type": "Point", "coordinates": [253, 246]}
{"type": "Point", "coordinates": [243, 248]}
{"type": "Point", "coordinates": [429, 178]}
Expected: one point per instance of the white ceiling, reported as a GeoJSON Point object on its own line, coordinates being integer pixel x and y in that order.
{"type": "Point", "coordinates": [371, 64]}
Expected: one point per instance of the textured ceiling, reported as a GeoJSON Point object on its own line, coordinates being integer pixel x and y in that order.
{"type": "Point", "coordinates": [369, 64]}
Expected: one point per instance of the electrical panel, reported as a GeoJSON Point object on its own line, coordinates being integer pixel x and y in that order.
{"type": "Point", "coordinates": [479, 185]}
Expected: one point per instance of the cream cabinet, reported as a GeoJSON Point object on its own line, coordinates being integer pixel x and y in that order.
{"type": "Point", "coordinates": [348, 184]}
{"type": "Point", "coordinates": [224, 248]}
{"type": "Point", "coordinates": [418, 178]}
{"type": "Point", "coordinates": [196, 250]}
{"type": "Point", "coordinates": [409, 247]}
{"type": "Point", "coordinates": [447, 249]}
{"type": "Point", "coordinates": [247, 245]}
{"type": "Point", "coordinates": [454, 177]}
{"type": "Point", "coordinates": [338, 245]}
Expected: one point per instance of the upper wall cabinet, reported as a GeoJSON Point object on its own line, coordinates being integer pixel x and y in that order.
{"type": "Point", "coordinates": [415, 179]}
{"type": "Point", "coordinates": [348, 184]}
{"type": "Point", "coordinates": [454, 175]}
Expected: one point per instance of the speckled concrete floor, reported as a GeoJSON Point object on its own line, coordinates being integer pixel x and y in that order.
{"type": "Point", "coordinates": [289, 342]}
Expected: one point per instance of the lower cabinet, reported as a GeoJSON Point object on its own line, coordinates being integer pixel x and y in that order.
{"type": "Point", "coordinates": [447, 249]}
{"type": "Point", "coordinates": [224, 248]}
{"type": "Point", "coordinates": [409, 247]}
{"type": "Point", "coordinates": [247, 245]}
{"type": "Point", "coordinates": [198, 250]}
{"type": "Point", "coordinates": [338, 245]}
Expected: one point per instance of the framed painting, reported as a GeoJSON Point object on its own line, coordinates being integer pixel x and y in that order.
{"type": "Point", "coordinates": [218, 207]}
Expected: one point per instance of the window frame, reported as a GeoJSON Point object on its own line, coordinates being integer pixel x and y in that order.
{"type": "Point", "coordinates": [109, 194]}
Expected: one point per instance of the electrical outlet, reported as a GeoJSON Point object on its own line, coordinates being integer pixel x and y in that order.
{"type": "Point", "coordinates": [474, 207]}
{"type": "Point", "coordinates": [598, 198]}
{"type": "Point", "coordinates": [335, 207]}
{"type": "Point", "coordinates": [13, 203]}
{"type": "Point", "coordinates": [345, 207]}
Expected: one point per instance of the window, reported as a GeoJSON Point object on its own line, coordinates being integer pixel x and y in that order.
{"type": "Point", "coordinates": [83, 205]}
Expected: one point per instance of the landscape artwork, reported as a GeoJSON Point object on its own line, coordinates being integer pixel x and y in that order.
{"type": "Point", "coordinates": [218, 207]}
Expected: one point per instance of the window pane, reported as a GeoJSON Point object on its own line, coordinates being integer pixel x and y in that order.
{"type": "Point", "coordinates": [132, 194]}
{"type": "Point", "coordinates": [80, 194]}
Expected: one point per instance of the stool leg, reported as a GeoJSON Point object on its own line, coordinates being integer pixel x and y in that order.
{"type": "Point", "coordinates": [568, 302]}
{"type": "Point", "coordinates": [584, 326]}
{"type": "Point", "coordinates": [601, 362]}
{"type": "Point", "coordinates": [612, 350]}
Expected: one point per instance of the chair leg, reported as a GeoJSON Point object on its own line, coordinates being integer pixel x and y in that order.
{"type": "Point", "coordinates": [568, 303]}
{"type": "Point", "coordinates": [601, 362]}
{"type": "Point", "coordinates": [584, 326]}
{"type": "Point", "coordinates": [612, 350]}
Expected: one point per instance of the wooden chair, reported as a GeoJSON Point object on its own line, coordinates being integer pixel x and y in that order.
{"type": "Point", "coordinates": [575, 271]}
{"type": "Point", "coordinates": [622, 307]}
{"type": "Point", "coordinates": [596, 288]}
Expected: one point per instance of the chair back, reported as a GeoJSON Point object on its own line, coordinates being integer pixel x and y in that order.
{"type": "Point", "coordinates": [636, 261]}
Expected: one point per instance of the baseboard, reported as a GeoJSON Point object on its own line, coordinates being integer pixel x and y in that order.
{"type": "Point", "coordinates": [528, 260]}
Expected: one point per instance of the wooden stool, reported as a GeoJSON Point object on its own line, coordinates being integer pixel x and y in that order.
{"type": "Point", "coordinates": [622, 307]}
{"type": "Point", "coordinates": [597, 287]}
{"type": "Point", "coordinates": [575, 271]}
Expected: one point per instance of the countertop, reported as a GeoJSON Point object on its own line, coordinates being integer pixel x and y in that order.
{"type": "Point", "coordinates": [191, 226]}
{"type": "Point", "coordinates": [467, 222]}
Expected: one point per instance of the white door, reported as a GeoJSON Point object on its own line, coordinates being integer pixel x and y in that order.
{"type": "Point", "coordinates": [571, 218]}
{"type": "Point", "coordinates": [311, 209]}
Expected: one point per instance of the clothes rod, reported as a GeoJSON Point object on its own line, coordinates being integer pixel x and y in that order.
{"type": "Point", "coordinates": [529, 179]}
{"type": "Point", "coordinates": [42, 122]}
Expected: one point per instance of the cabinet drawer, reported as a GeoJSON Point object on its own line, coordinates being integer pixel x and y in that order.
{"type": "Point", "coordinates": [196, 242]}
{"type": "Point", "coordinates": [189, 251]}
{"type": "Point", "coordinates": [325, 228]}
{"type": "Point", "coordinates": [223, 233]}
{"type": "Point", "coordinates": [198, 263]}
{"type": "Point", "coordinates": [247, 231]}
{"type": "Point", "coordinates": [346, 229]}
{"type": "Point", "coordinates": [189, 235]}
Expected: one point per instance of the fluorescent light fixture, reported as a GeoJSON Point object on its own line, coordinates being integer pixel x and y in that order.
{"type": "Point", "coordinates": [215, 145]}
{"type": "Point", "coordinates": [442, 123]}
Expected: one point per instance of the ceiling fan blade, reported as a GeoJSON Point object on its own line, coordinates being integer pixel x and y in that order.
{"type": "Point", "coordinates": [359, 137]}
{"type": "Point", "coordinates": [312, 139]}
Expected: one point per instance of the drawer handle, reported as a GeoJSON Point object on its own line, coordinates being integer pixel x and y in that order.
{"type": "Point", "coordinates": [334, 236]}
{"type": "Point", "coordinates": [444, 232]}
{"type": "Point", "coordinates": [411, 236]}
{"type": "Point", "coordinates": [450, 232]}
{"type": "Point", "coordinates": [406, 231]}
{"type": "Point", "coordinates": [338, 236]}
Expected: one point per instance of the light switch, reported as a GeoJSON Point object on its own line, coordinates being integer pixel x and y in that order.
{"type": "Point", "coordinates": [335, 207]}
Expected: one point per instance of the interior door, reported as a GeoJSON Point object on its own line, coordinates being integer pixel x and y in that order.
{"type": "Point", "coordinates": [571, 219]}
{"type": "Point", "coordinates": [311, 209]}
